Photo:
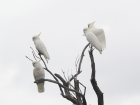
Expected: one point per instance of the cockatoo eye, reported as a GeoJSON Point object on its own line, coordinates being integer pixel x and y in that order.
{"type": "Point", "coordinates": [33, 64]}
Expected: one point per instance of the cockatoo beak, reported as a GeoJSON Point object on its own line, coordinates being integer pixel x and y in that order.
{"type": "Point", "coordinates": [39, 34]}
{"type": "Point", "coordinates": [90, 27]}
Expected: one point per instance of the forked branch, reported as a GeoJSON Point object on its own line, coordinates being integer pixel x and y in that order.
{"type": "Point", "coordinates": [79, 66]}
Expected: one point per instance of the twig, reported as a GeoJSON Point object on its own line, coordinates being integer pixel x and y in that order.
{"type": "Point", "coordinates": [76, 62]}
{"type": "Point", "coordinates": [84, 87]}
{"type": "Point", "coordinates": [74, 76]}
{"type": "Point", "coordinates": [34, 55]}
{"type": "Point", "coordinates": [28, 58]}
{"type": "Point", "coordinates": [64, 75]}
{"type": "Point", "coordinates": [68, 75]}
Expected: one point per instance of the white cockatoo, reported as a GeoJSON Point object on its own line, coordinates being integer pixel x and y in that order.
{"type": "Point", "coordinates": [99, 34]}
{"type": "Point", "coordinates": [40, 47]}
{"type": "Point", "coordinates": [92, 39]}
{"type": "Point", "coordinates": [39, 73]}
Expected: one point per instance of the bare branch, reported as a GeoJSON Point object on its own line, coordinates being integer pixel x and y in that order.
{"type": "Point", "coordinates": [79, 67]}
{"type": "Point", "coordinates": [93, 80]}
{"type": "Point", "coordinates": [84, 87]}
{"type": "Point", "coordinates": [51, 74]}
{"type": "Point", "coordinates": [76, 85]}
{"type": "Point", "coordinates": [34, 55]}
{"type": "Point", "coordinates": [33, 49]}
{"type": "Point", "coordinates": [76, 62]}
{"type": "Point", "coordinates": [82, 55]}
{"type": "Point", "coordinates": [56, 82]}
{"type": "Point", "coordinates": [64, 75]}
{"type": "Point", "coordinates": [74, 76]}
{"type": "Point", "coordinates": [58, 76]}
{"type": "Point", "coordinates": [68, 94]}
{"type": "Point", "coordinates": [28, 58]}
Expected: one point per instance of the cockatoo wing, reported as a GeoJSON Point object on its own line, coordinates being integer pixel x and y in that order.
{"type": "Point", "coordinates": [42, 49]}
{"type": "Point", "coordinates": [92, 39]}
{"type": "Point", "coordinates": [39, 73]}
{"type": "Point", "coordinates": [100, 35]}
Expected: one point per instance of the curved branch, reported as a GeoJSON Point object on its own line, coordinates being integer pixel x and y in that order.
{"type": "Point", "coordinates": [58, 76]}
{"type": "Point", "coordinates": [74, 76]}
{"type": "Point", "coordinates": [82, 55]}
{"type": "Point", "coordinates": [79, 67]}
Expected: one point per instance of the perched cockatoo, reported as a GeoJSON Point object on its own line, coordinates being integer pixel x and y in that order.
{"type": "Point", "coordinates": [40, 47]}
{"type": "Point", "coordinates": [92, 39]}
{"type": "Point", "coordinates": [99, 34]}
{"type": "Point", "coordinates": [39, 73]}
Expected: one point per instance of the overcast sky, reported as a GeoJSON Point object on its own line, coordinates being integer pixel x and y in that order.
{"type": "Point", "coordinates": [61, 24]}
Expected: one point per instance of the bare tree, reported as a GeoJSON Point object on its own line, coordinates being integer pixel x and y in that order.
{"type": "Point", "coordinates": [71, 92]}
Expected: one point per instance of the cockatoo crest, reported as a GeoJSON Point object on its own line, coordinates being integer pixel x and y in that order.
{"type": "Point", "coordinates": [39, 34]}
{"type": "Point", "coordinates": [36, 37]}
{"type": "Point", "coordinates": [40, 47]}
{"type": "Point", "coordinates": [90, 25]}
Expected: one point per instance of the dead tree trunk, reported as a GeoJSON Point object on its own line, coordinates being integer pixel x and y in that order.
{"type": "Point", "coordinates": [93, 80]}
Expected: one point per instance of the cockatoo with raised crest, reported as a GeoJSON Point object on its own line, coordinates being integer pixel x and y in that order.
{"type": "Point", "coordinates": [40, 47]}
{"type": "Point", "coordinates": [99, 34]}
{"type": "Point", "coordinates": [92, 39]}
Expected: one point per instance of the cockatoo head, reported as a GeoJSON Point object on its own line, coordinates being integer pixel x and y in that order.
{"type": "Point", "coordinates": [85, 30]}
{"type": "Point", "coordinates": [35, 63]}
{"type": "Point", "coordinates": [90, 25]}
{"type": "Point", "coordinates": [36, 37]}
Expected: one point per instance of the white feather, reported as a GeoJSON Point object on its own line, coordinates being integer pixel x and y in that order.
{"type": "Point", "coordinates": [99, 34]}
{"type": "Point", "coordinates": [92, 39]}
{"type": "Point", "coordinates": [39, 73]}
{"type": "Point", "coordinates": [41, 47]}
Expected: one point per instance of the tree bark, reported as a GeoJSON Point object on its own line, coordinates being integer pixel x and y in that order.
{"type": "Point", "coordinates": [93, 80]}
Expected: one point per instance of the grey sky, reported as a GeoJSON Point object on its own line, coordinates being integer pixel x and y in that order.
{"type": "Point", "coordinates": [61, 23]}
